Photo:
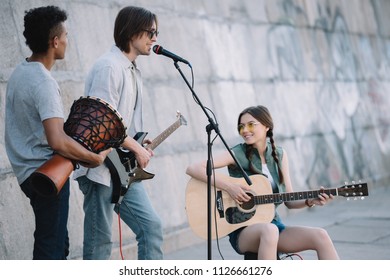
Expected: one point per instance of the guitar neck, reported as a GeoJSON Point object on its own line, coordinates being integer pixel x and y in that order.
{"type": "Point", "coordinates": [164, 135]}
{"type": "Point", "coordinates": [292, 196]}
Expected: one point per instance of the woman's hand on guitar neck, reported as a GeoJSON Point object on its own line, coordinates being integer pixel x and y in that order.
{"type": "Point", "coordinates": [321, 200]}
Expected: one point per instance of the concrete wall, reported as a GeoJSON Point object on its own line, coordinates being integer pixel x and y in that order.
{"type": "Point", "coordinates": [321, 67]}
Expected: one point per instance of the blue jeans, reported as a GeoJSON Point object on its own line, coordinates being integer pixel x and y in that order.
{"type": "Point", "coordinates": [51, 241]}
{"type": "Point", "coordinates": [135, 210]}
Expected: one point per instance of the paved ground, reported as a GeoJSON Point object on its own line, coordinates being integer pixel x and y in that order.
{"type": "Point", "coordinates": [359, 228]}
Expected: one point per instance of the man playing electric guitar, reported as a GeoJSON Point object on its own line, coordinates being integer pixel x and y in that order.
{"type": "Point", "coordinates": [116, 79]}
{"type": "Point", "coordinates": [259, 155]}
{"type": "Point", "coordinates": [123, 164]}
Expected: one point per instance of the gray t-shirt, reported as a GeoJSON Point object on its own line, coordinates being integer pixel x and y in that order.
{"type": "Point", "coordinates": [32, 97]}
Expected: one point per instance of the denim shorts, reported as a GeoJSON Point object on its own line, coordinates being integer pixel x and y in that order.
{"type": "Point", "coordinates": [233, 237]}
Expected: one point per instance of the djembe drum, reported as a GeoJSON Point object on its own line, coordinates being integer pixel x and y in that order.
{"type": "Point", "coordinates": [94, 124]}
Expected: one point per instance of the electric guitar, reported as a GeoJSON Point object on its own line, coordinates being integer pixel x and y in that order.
{"type": "Point", "coordinates": [126, 164]}
{"type": "Point", "coordinates": [227, 215]}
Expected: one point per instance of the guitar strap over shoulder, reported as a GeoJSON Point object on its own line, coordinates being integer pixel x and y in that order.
{"type": "Point", "coordinates": [116, 182]}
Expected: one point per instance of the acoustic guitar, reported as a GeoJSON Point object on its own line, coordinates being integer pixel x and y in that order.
{"type": "Point", "coordinates": [227, 215]}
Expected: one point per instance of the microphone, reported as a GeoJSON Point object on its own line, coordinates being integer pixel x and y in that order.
{"type": "Point", "coordinates": [160, 50]}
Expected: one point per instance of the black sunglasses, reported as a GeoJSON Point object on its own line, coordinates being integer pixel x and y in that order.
{"type": "Point", "coordinates": [151, 33]}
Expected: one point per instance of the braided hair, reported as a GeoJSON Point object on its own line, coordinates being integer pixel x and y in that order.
{"type": "Point", "coordinates": [262, 114]}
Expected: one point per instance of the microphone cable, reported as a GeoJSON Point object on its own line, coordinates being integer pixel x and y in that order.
{"type": "Point", "coordinates": [120, 232]}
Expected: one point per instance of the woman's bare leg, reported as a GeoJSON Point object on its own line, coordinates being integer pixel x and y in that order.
{"type": "Point", "coordinates": [260, 238]}
{"type": "Point", "coordinates": [297, 239]}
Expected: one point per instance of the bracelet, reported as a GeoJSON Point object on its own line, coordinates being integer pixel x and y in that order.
{"type": "Point", "coordinates": [309, 205]}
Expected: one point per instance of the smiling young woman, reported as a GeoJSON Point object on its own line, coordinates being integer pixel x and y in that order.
{"type": "Point", "coordinates": [259, 155]}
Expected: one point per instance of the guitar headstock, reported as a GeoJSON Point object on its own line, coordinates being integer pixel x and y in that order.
{"type": "Point", "coordinates": [353, 190]}
{"type": "Point", "coordinates": [183, 121]}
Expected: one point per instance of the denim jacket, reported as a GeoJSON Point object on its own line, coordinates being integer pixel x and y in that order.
{"type": "Point", "coordinates": [239, 152]}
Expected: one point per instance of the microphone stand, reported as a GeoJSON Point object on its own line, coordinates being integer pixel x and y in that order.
{"type": "Point", "coordinates": [209, 128]}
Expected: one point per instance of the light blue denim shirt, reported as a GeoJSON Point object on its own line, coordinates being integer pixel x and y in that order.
{"type": "Point", "coordinates": [116, 80]}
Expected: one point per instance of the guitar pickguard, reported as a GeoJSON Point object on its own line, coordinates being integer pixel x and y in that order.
{"type": "Point", "coordinates": [235, 216]}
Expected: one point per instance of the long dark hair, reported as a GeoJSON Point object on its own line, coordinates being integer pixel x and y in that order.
{"type": "Point", "coordinates": [130, 22]}
{"type": "Point", "coordinates": [262, 114]}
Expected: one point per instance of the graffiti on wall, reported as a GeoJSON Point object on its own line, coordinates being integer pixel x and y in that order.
{"type": "Point", "coordinates": [349, 89]}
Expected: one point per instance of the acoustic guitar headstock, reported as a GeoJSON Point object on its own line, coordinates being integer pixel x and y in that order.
{"type": "Point", "coordinates": [353, 190]}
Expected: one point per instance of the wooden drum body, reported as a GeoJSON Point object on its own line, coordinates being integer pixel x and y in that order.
{"type": "Point", "coordinates": [94, 124]}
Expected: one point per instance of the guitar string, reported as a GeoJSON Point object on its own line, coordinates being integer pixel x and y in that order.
{"type": "Point", "coordinates": [282, 197]}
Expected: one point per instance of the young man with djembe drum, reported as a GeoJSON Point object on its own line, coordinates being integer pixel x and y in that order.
{"type": "Point", "coordinates": [34, 122]}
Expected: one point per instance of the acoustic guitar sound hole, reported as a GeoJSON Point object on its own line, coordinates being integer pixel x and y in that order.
{"type": "Point", "coordinates": [248, 205]}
